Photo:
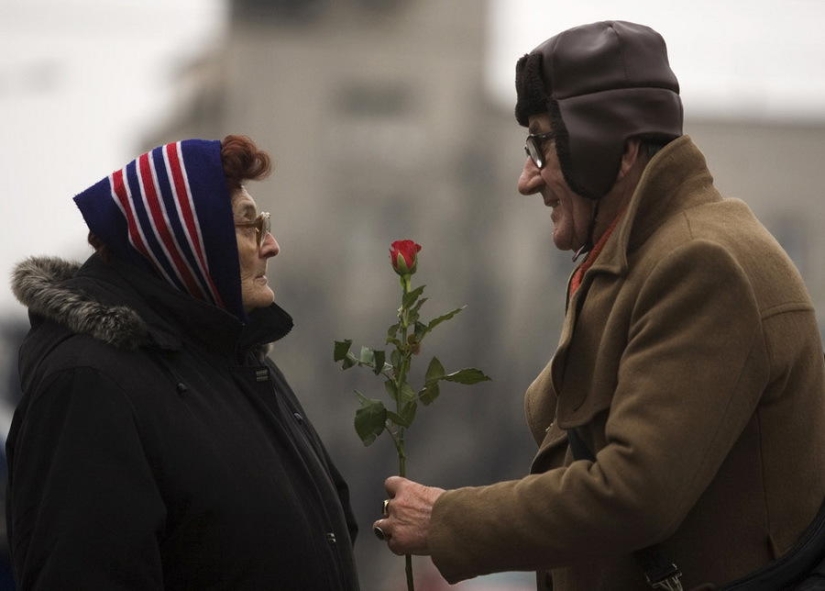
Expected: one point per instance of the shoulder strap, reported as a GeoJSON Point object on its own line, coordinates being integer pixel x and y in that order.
{"type": "Point", "coordinates": [660, 572]}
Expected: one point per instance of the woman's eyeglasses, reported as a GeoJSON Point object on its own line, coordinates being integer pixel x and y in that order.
{"type": "Point", "coordinates": [261, 224]}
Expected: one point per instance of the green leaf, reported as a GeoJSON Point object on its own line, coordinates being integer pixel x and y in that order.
{"type": "Point", "coordinates": [396, 419]}
{"type": "Point", "coordinates": [380, 357]}
{"type": "Point", "coordinates": [389, 386]}
{"type": "Point", "coordinates": [418, 305]}
{"type": "Point", "coordinates": [436, 321]}
{"type": "Point", "coordinates": [391, 331]}
{"type": "Point", "coordinates": [370, 419]}
{"type": "Point", "coordinates": [367, 357]}
{"type": "Point", "coordinates": [406, 416]}
{"type": "Point", "coordinates": [413, 313]}
{"type": "Point", "coordinates": [410, 298]}
{"type": "Point", "coordinates": [341, 349]}
{"type": "Point", "coordinates": [348, 361]}
{"type": "Point", "coordinates": [435, 371]}
{"type": "Point", "coordinates": [408, 413]}
{"type": "Point", "coordinates": [429, 393]}
{"type": "Point", "coordinates": [406, 395]}
{"type": "Point", "coordinates": [469, 375]}
{"type": "Point", "coordinates": [420, 330]}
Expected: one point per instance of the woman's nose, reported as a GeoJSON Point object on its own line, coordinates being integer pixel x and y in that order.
{"type": "Point", "coordinates": [530, 181]}
{"type": "Point", "coordinates": [270, 246]}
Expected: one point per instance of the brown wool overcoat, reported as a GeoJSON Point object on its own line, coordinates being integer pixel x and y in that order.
{"type": "Point", "coordinates": [691, 362]}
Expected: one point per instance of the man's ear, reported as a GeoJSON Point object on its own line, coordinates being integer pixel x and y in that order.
{"type": "Point", "coordinates": [632, 154]}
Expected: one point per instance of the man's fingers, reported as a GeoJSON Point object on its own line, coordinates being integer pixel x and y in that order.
{"type": "Point", "coordinates": [393, 483]}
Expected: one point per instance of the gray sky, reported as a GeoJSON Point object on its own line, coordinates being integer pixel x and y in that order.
{"type": "Point", "coordinates": [754, 58]}
{"type": "Point", "coordinates": [79, 80]}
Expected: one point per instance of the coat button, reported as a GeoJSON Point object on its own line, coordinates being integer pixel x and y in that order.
{"type": "Point", "coordinates": [331, 538]}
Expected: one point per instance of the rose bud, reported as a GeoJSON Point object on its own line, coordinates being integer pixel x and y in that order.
{"type": "Point", "coordinates": [403, 255]}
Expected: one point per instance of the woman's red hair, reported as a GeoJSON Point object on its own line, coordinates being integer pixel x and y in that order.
{"type": "Point", "coordinates": [242, 161]}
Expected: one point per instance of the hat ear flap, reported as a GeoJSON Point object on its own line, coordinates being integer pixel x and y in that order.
{"type": "Point", "coordinates": [530, 89]}
{"type": "Point", "coordinates": [562, 147]}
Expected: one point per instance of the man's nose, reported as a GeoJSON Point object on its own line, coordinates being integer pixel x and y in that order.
{"type": "Point", "coordinates": [530, 181]}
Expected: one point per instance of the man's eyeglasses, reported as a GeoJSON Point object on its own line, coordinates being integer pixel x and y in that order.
{"type": "Point", "coordinates": [261, 224]}
{"type": "Point", "coordinates": [533, 145]}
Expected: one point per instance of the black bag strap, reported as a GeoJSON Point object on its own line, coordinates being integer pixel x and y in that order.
{"type": "Point", "coordinates": [802, 568]}
{"type": "Point", "coordinates": [660, 573]}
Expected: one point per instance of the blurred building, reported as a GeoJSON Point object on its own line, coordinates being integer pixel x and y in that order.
{"type": "Point", "coordinates": [376, 114]}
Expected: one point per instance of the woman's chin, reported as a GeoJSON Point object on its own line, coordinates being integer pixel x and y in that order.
{"type": "Point", "coordinates": [262, 298]}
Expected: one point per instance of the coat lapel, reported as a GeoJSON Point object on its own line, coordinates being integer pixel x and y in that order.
{"type": "Point", "coordinates": [664, 189]}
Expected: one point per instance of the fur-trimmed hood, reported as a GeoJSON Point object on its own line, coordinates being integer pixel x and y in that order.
{"type": "Point", "coordinates": [126, 307]}
{"type": "Point", "coordinates": [40, 284]}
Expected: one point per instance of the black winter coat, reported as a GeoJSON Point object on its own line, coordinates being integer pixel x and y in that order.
{"type": "Point", "coordinates": [156, 447]}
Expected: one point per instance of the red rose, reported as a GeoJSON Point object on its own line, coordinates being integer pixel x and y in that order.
{"type": "Point", "coordinates": [403, 255]}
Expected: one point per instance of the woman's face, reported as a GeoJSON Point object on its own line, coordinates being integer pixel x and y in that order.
{"type": "Point", "coordinates": [255, 290]}
{"type": "Point", "coordinates": [571, 212]}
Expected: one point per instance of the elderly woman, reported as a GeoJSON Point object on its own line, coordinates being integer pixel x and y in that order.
{"type": "Point", "coordinates": [156, 446]}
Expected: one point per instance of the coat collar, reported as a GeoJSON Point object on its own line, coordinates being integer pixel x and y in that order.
{"type": "Point", "coordinates": [677, 178]}
{"type": "Point", "coordinates": [124, 306]}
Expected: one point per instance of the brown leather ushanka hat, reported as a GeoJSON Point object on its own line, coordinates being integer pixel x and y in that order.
{"type": "Point", "coordinates": [602, 84]}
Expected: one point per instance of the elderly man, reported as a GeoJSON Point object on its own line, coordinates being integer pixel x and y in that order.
{"type": "Point", "coordinates": [681, 422]}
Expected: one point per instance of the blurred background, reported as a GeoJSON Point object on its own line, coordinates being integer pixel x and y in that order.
{"type": "Point", "coordinates": [390, 119]}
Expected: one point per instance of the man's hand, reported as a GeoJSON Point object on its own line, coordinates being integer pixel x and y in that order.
{"type": "Point", "coordinates": [406, 522]}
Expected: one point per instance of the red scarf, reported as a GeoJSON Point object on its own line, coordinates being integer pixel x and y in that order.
{"type": "Point", "coordinates": [578, 274]}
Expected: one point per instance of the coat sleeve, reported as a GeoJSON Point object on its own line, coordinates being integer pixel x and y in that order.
{"type": "Point", "coordinates": [83, 507]}
{"type": "Point", "coordinates": [688, 382]}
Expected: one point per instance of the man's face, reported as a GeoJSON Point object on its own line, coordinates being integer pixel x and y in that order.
{"type": "Point", "coordinates": [571, 213]}
{"type": "Point", "coordinates": [255, 290]}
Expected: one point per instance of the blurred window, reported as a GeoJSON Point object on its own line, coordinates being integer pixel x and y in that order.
{"type": "Point", "coordinates": [274, 11]}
